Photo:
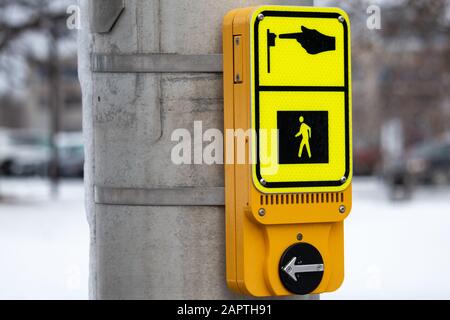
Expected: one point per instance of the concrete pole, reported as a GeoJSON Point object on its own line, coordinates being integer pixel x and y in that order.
{"type": "Point", "coordinates": [139, 250]}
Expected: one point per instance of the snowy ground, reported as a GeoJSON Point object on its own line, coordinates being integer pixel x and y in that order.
{"type": "Point", "coordinates": [394, 250]}
{"type": "Point", "coordinates": [44, 244]}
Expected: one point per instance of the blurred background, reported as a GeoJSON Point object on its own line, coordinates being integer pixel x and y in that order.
{"type": "Point", "coordinates": [401, 111]}
{"type": "Point", "coordinates": [43, 230]}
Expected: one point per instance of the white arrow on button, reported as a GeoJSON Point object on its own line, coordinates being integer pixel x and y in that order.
{"type": "Point", "coordinates": [292, 269]}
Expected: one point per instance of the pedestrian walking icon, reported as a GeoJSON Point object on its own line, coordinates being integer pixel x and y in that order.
{"type": "Point", "coordinates": [302, 137]}
{"type": "Point", "coordinates": [305, 133]}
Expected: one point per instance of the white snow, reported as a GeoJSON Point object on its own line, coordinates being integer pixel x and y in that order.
{"type": "Point", "coordinates": [44, 243]}
{"type": "Point", "coordinates": [394, 250]}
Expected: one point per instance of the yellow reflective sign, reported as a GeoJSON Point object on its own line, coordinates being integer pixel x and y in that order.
{"type": "Point", "coordinates": [301, 99]}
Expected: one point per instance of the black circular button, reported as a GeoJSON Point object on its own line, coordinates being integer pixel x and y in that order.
{"type": "Point", "coordinates": [301, 268]}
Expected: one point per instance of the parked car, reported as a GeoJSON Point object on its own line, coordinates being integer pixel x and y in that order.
{"type": "Point", "coordinates": [26, 153]}
{"type": "Point", "coordinates": [23, 152]}
{"type": "Point", "coordinates": [70, 154]}
{"type": "Point", "coordinates": [365, 161]}
{"type": "Point", "coordinates": [427, 163]}
{"type": "Point", "coordinates": [430, 163]}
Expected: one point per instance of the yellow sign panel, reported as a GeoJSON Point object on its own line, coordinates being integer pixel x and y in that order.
{"type": "Point", "coordinates": [301, 100]}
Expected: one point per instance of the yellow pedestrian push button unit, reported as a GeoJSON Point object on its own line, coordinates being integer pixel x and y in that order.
{"type": "Point", "coordinates": [288, 154]}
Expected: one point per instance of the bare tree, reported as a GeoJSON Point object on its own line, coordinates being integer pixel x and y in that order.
{"type": "Point", "coordinates": [47, 20]}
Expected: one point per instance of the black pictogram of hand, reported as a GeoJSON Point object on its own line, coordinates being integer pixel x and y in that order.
{"type": "Point", "coordinates": [312, 40]}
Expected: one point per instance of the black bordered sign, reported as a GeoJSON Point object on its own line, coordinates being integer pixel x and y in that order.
{"type": "Point", "coordinates": [301, 100]}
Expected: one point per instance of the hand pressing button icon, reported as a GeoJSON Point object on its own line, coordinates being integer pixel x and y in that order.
{"type": "Point", "coordinates": [312, 40]}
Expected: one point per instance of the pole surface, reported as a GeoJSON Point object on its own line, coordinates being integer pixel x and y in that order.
{"type": "Point", "coordinates": [145, 251]}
